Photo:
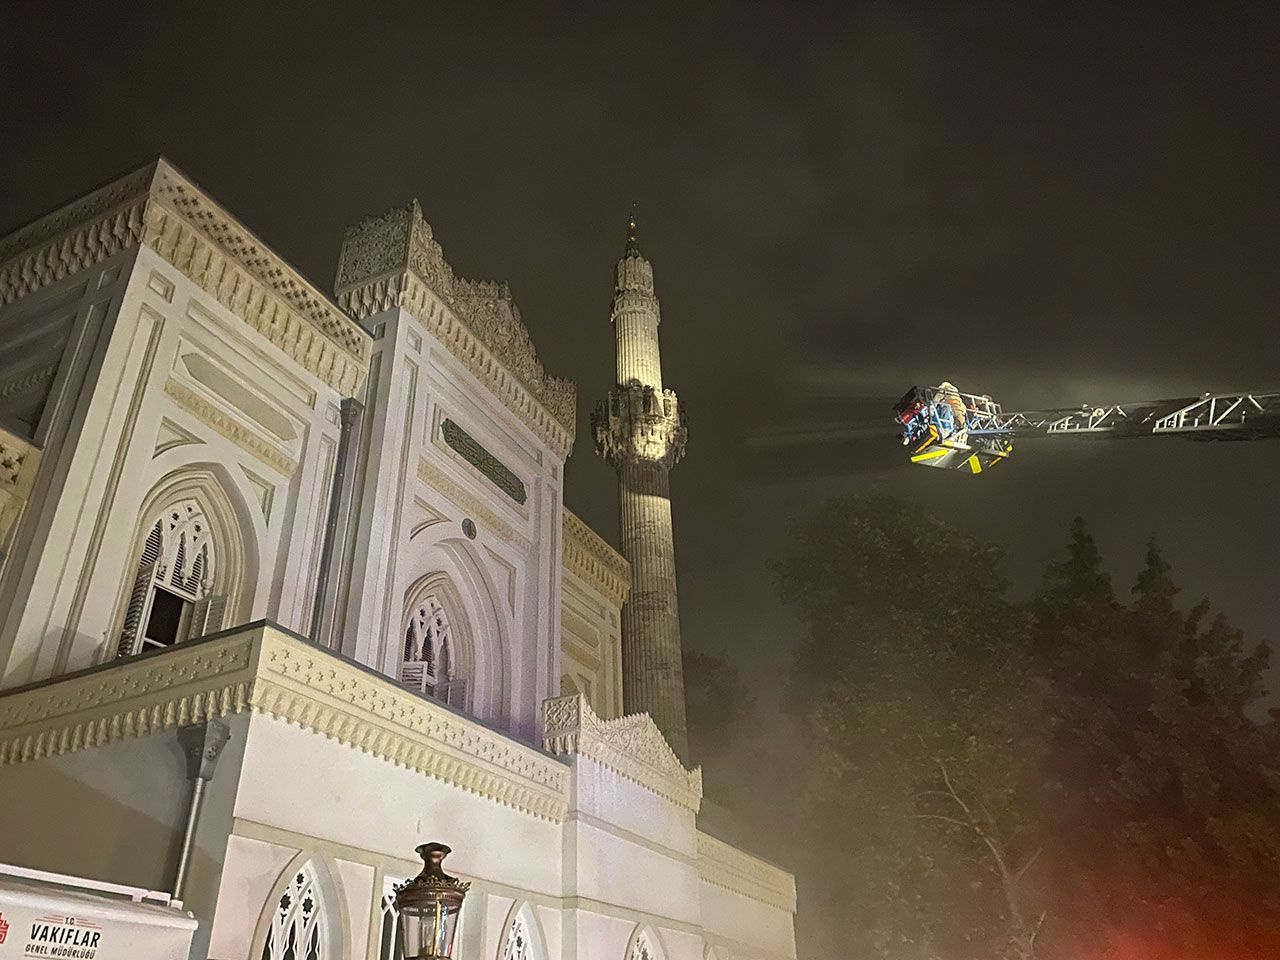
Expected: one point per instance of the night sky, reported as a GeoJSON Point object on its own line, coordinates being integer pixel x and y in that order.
{"type": "Point", "coordinates": [1048, 203]}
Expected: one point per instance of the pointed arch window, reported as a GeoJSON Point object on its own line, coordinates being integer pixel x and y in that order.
{"type": "Point", "coordinates": [297, 925]}
{"type": "Point", "coordinates": [172, 597]}
{"type": "Point", "coordinates": [642, 949]}
{"type": "Point", "coordinates": [517, 945]}
{"type": "Point", "coordinates": [429, 654]}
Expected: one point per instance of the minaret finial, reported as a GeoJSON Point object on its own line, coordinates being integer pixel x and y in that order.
{"type": "Point", "coordinates": [633, 245]}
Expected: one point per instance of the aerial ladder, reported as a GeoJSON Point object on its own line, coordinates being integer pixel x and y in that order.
{"type": "Point", "coordinates": [942, 427]}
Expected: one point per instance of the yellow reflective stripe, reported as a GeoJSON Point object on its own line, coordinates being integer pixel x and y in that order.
{"type": "Point", "coordinates": [974, 465]}
{"type": "Point", "coordinates": [930, 454]}
{"type": "Point", "coordinates": [933, 435]}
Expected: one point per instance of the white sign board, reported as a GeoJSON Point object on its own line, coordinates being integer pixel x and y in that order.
{"type": "Point", "coordinates": [40, 921]}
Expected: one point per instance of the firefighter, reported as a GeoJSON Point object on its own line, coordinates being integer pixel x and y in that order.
{"type": "Point", "coordinates": [948, 394]}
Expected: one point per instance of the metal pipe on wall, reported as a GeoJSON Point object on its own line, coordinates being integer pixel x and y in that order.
{"type": "Point", "coordinates": [351, 411]}
{"type": "Point", "coordinates": [202, 743]}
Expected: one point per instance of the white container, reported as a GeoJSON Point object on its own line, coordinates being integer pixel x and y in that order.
{"type": "Point", "coordinates": [68, 918]}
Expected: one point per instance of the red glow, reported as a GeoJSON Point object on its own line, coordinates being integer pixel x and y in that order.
{"type": "Point", "coordinates": [1132, 947]}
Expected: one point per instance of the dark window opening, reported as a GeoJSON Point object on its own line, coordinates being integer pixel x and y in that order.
{"type": "Point", "coordinates": [164, 625]}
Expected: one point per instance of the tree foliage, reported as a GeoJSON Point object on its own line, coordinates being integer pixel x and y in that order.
{"type": "Point", "coordinates": [1168, 801]}
{"type": "Point", "coordinates": [922, 716]}
{"type": "Point", "coordinates": [1074, 777]}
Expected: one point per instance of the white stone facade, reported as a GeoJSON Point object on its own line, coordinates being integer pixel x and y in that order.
{"type": "Point", "coordinates": [338, 528]}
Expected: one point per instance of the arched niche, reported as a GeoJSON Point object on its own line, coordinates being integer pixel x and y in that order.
{"type": "Point", "coordinates": [453, 572]}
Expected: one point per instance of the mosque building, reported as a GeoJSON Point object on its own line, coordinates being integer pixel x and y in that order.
{"type": "Point", "coordinates": [288, 587]}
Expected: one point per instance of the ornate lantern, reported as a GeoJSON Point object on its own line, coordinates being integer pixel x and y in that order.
{"type": "Point", "coordinates": [429, 905]}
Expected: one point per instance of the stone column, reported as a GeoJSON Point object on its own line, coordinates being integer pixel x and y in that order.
{"type": "Point", "coordinates": [651, 648]}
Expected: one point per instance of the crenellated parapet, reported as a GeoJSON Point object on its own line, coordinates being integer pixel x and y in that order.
{"type": "Point", "coordinates": [632, 746]}
{"type": "Point", "coordinates": [639, 422]}
{"type": "Point", "coordinates": [394, 260]}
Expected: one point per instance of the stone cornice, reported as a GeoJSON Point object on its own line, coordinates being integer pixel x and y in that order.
{"type": "Point", "coordinates": [631, 746]}
{"type": "Point", "coordinates": [393, 260]}
{"type": "Point", "coordinates": [261, 669]}
{"type": "Point", "coordinates": [725, 866]}
{"type": "Point", "coordinates": [161, 208]}
{"type": "Point", "coordinates": [587, 555]}
{"type": "Point", "coordinates": [109, 217]}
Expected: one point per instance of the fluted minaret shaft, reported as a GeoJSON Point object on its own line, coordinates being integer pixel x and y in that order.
{"type": "Point", "coordinates": [640, 431]}
{"type": "Point", "coordinates": [635, 323]}
{"type": "Point", "coordinates": [653, 670]}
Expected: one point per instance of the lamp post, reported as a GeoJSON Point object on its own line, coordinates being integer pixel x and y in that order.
{"type": "Point", "coordinates": [429, 905]}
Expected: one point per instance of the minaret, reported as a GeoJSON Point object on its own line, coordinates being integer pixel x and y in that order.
{"type": "Point", "coordinates": [641, 432]}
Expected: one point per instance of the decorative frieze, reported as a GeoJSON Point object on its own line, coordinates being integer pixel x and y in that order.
{"type": "Point", "coordinates": [631, 746]}
{"type": "Point", "coordinates": [85, 231]}
{"type": "Point", "coordinates": [309, 686]}
{"type": "Point", "coordinates": [725, 866]}
{"type": "Point", "coordinates": [267, 671]}
{"type": "Point", "coordinates": [19, 462]}
{"type": "Point", "coordinates": [588, 556]}
{"type": "Point", "coordinates": [471, 450]}
{"type": "Point", "coordinates": [190, 683]}
{"type": "Point", "coordinates": [472, 505]}
{"type": "Point", "coordinates": [35, 378]}
{"type": "Point", "coordinates": [158, 206]}
{"type": "Point", "coordinates": [393, 260]}
{"type": "Point", "coordinates": [246, 439]}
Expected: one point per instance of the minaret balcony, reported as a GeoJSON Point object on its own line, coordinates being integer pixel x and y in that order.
{"type": "Point", "coordinates": [640, 422]}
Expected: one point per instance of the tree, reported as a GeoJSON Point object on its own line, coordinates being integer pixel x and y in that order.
{"type": "Point", "coordinates": [1076, 777]}
{"type": "Point", "coordinates": [924, 731]}
{"type": "Point", "coordinates": [1168, 808]}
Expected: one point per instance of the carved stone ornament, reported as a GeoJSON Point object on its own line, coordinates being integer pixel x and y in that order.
{"type": "Point", "coordinates": [19, 460]}
{"type": "Point", "coordinates": [161, 208]}
{"type": "Point", "coordinates": [266, 671]}
{"type": "Point", "coordinates": [631, 746]}
{"type": "Point", "coordinates": [394, 260]}
{"type": "Point", "coordinates": [639, 422]}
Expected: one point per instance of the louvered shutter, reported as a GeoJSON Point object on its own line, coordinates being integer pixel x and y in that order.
{"type": "Point", "coordinates": [135, 616]}
{"type": "Point", "coordinates": [455, 694]}
{"type": "Point", "coordinates": [411, 675]}
{"type": "Point", "coordinates": [206, 617]}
